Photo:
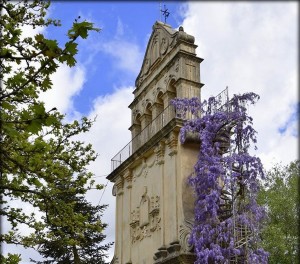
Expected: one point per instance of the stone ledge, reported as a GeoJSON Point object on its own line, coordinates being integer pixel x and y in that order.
{"type": "Point", "coordinates": [174, 124]}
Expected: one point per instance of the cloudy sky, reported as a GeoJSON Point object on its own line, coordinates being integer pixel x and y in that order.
{"type": "Point", "coordinates": [247, 46]}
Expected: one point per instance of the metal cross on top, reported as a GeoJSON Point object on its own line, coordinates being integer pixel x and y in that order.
{"type": "Point", "coordinates": [165, 13]}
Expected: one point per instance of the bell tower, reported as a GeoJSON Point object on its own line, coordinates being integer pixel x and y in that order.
{"type": "Point", "coordinates": [154, 204]}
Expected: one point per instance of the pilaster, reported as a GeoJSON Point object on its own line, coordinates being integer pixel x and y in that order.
{"type": "Point", "coordinates": [172, 143]}
{"type": "Point", "coordinates": [159, 151]}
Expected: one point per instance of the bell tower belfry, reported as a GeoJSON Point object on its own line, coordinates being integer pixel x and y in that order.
{"type": "Point", "coordinates": [154, 204]}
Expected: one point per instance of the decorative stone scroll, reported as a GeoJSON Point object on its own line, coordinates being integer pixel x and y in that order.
{"type": "Point", "coordinates": [184, 235]}
{"type": "Point", "coordinates": [145, 218]}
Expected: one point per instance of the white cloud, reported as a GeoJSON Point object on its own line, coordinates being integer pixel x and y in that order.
{"type": "Point", "coordinates": [108, 135]}
{"type": "Point", "coordinates": [127, 55]}
{"type": "Point", "coordinates": [251, 47]}
{"type": "Point", "coordinates": [67, 82]}
{"type": "Point", "coordinates": [111, 126]}
{"type": "Point", "coordinates": [247, 46]}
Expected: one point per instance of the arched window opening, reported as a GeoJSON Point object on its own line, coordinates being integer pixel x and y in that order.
{"type": "Point", "coordinates": [170, 94]}
{"type": "Point", "coordinates": [147, 116]}
{"type": "Point", "coordinates": [171, 91]}
{"type": "Point", "coordinates": [158, 106]}
{"type": "Point", "coordinates": [135, 132]}
{"type": "Point", "coordinates": [137, 123]}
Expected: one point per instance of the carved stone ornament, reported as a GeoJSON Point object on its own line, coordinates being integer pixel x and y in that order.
{"type": "Point", "coordinates": [144, 169]}
{"type": "Point", "coordinates": [172, 143]}
{"type": "Point", "coordinates": [162, 40]}
{"type": "Point", "coordinates": [144, 209]}
{"type": "Point", "coordinates": [128, 178]}
{"type": "Point", "coordinates": [177, 65]}
{"type": "Point", "coordinates": [145, 219]}
{"type": "Point", "coordinates": [147, 65]}
{"type": "Point", "coordinates": [184, 235]}
{"type": "Point", "coordinates": [164, 45]}
{"type": "Point", "coordinates": [159, 152]}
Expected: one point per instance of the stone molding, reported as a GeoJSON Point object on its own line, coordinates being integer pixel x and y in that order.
{"type": "Point", "coordinates": [173, 254]}
{"type": "Point", "coordinates": [128, 178]}
{"type": "Point", "coordinates": [159, 151]}
{"type": "Point", "coordinates": [119, 186]}
{"type": "Point", "coordinates": [172, 143]}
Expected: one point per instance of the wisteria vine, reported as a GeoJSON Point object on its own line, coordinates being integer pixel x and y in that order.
{"type": "Point", "coordinates": [225, 180]}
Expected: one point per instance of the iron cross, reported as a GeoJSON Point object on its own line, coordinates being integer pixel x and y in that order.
{"type": "Point", "coordinates": [165, 13]}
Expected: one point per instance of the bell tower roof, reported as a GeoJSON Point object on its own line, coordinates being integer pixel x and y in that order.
{"type": "Point", "coordinates": [162, 42]}
{"type": "Point", "coordinates": [170, 69]}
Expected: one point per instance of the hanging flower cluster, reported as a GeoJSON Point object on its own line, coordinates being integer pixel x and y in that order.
{"type": "Point", "coordinates": [225, 180]}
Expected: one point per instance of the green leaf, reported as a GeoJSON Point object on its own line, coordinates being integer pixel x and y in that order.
{"type": "Point", "coordinates": [71, 47]}
{"type": "Point", "coordinates": [50, 120]}
{"type": "Point", "coordinates": [81, 29]}
{"type": "Point", "coordinates": [51, 44]}
{"type": "Point", "coordinates": [8, 106]}
{"type": "Point", "coordinates": [35, 126]}
{"type": "Point", "coordinates": [39, 37]}
{"type": "Point", "coordinates": [99, 186]}
{"type": "Point", "coordinates": [39, 109]}
{"type": "Point", "coordinates": [37, 183]}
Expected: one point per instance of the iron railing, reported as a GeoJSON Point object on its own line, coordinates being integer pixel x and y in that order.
{"type": "Point", "coordinates": [157, 124]}
{"type": "Point", "coordinates": [146, 134]}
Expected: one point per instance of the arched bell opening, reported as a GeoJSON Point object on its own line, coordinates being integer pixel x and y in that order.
{"type": "Point", "coordinates": [158, 105]}
{"type": "Point", "coordinates": [171, 90]}
{"type": "Point", "coordinates": [137, 123]}
{"type": "Point", "coordinates": [169, 95]}
{"type": "Point", "coordinates": [146, 118]}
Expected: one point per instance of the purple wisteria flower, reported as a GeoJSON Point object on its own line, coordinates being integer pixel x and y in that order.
{"type": "Point", "coordinates": [225, 180]}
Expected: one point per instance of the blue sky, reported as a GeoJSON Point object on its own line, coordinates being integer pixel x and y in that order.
{"type": "Point", "coordinates": [130, 22]}
{"type": "Point", "coordinates": [247, 46]}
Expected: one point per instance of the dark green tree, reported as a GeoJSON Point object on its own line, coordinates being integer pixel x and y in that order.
{"type": "Point", "coordinates": [87, 235]}
{"type": "Point", "coordinates": [41, 163]}
{"type": "Point", "coordinates": [280, 196]}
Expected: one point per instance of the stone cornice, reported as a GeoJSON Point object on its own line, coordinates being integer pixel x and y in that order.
{"type": "Point", "coordinates": [174, 124]}
{"type": "Point", "coordinates": [163, 68]}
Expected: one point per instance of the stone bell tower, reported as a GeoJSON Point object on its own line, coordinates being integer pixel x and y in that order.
{"type": "Point", "coordinates": [154, 205]}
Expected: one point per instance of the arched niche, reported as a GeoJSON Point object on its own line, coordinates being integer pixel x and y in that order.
{"type": "Point", "coordinates": [136, 129]}
{"type": "Point", "coordinates": [170, 94]}
{"type": "Point", "coordinates": [137, 122]}
{"type": "Point", "coordinates": [171, 89]}
{"type": "Point", "coordinates": [158, 105]}
{"type": "Point", "coordinates": [155, 49]}
{"type": "Point", "coordinates": [146, 118]}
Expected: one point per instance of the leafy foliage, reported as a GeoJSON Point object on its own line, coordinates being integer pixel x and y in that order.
{"type": "Point", "coordinates": [227, 216]}
{"type": "Point", "coordinates": [280, 196]}
{"type": "Point", "coordinates": [41, 163]}
{"type": "Point", "coordinates": [79, 239]}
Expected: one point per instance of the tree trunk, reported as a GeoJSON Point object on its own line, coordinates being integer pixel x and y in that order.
{"type": "Point", "coordinates": [76, 256]}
